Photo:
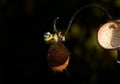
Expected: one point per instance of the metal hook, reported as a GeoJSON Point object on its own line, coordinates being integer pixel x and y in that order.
{"type": "Point", "coordinates": [79, 10]}
{"type": "Point", "coordinates": [54, 24]}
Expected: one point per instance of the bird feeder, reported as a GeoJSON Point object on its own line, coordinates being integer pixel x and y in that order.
{"type": "Point", "coordinates": [109, 36]}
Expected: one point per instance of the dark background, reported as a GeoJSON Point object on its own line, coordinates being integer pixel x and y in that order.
{"type": "Point", "coordinates": [24, 53]}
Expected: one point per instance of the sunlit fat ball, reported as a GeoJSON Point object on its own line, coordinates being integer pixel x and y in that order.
{"type": "Point", "coordinates": [58, 57]}
{"type": "Point", "coordinates": [109, 35]}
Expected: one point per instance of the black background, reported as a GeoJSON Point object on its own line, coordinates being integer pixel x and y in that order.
{"type": "Point", "coordinates": [24, 52]}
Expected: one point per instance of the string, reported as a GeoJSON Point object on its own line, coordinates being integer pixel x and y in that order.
{"type": "Point", "coordinates": [54, 24]}
{"type": "Point", "coordinates": [79, 10]}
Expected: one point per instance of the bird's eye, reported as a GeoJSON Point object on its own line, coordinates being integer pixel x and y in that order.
{"type": "Point", "coordinates": [47, 34]}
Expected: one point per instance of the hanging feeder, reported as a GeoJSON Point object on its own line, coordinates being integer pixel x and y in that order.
{"type": "Point", "coordinates": [109, 36]}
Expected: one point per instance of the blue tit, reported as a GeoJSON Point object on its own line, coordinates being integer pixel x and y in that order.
{"type": "Point", "coordinates": [50, 38]}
